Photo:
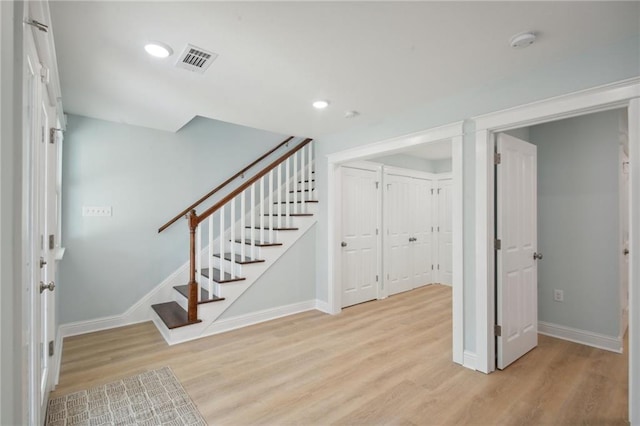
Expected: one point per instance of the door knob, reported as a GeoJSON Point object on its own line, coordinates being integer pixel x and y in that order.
{"type": "Point", "coordinates": [49, 286]}
{"type": "Point", "coordinates": [537, 256]}
{"type": "Point", "coordinates": [625, 252]}
{"type": "Point", "coordinates": [343, 244]}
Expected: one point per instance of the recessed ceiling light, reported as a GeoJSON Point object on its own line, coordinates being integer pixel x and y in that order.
{"type": "Point", "coordinates": [522, 40]}
{"type": "Point", "coordinates": [320, 104]}
{"type": "Point", "coordinates": [157, 49]}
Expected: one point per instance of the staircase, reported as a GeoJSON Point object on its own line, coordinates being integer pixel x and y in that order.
{"type": "Point", "coordinates": [238, 238]}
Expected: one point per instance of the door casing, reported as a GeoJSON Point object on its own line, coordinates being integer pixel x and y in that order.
{"type": "Point", "coordinates": [621, 94]}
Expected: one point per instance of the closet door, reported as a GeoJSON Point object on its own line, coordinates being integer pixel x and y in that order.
{"type": "Point", "coordinates": [422, 245]}
{"type": "Point", "coordinates": [399, 199]}
{"type": "Point", "coordinates": [445, 233]}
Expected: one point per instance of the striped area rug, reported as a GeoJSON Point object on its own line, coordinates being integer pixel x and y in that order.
{"type": "Point", "coordinates": [154, 397]}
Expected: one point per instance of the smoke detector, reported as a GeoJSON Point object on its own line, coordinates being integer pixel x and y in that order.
{"type": "Point", "coordinates": [522, 40]}
{"type": "Point", "coordinates": [195, 59]}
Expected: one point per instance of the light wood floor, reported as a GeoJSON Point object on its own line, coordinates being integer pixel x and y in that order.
{"type": "Point", "coordinates": [382, 362]}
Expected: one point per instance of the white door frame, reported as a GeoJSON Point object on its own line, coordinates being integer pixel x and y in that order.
{"type": "Point", "coordinates": [621, 94]}
{"type": "Point", "coordinates": [451, 131]}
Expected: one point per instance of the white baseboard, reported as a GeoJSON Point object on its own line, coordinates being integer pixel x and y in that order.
{"type": "Point", "coordinates": [240, 321]}
{"type": "Point", "coordinates": [140, 312]}
{"type": "Point", "coordinates": [470, 360]}
{"type": "Point", "coordinates": [596, 340]}
{"type": "Point", "coordinates": [323, 306]}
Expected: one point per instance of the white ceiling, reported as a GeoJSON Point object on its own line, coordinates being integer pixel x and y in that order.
{"type": "Point", "coordinates": [377, 58]}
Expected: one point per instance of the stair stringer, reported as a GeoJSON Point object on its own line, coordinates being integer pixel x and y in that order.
{"type": "Point", "coordinates": [210, 312]}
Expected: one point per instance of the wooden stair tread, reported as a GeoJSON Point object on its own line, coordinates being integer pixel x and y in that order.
{"type": "Point", "coordinates": [258, 244]}
{"type": "Point", "coordinates": [216, 276]}
{"type": "Point", "coordinates": [247, 259]}
{"type": "Point", "coordinates": [275, 228]}
{"type": "Point", "coordinates": [204, 294]}
{"type": "Point", "coordinates": [292, 202]}
{"type": "Point", "coordinates": [301, 190]}
{"type": "Point", "coordinates": [172, 314]}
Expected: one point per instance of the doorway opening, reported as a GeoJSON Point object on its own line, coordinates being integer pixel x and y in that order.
{"type": "Point", "coordinates": [623, 94]}
{"type": "Point", "coordinates": [371, 159]}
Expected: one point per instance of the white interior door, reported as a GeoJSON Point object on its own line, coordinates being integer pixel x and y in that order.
{"type": "Point", "coordinates": [399, 258]}
{"type": "Point", "coordinates": [360, 209]}
{"type": "Point", "coordinates": [444, 229]}
{"type": "Point", "coordinates": [516, 273]}
{"type": "Point", "coordinates": [421, 221]}
{"type": "Point", "coordinates": [624, 240]}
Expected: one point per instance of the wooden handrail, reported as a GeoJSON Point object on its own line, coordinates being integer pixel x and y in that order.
{"type": "Point", "coordinates": [223, 184]}
{"type": "Point", "coordinates": [200, 218]}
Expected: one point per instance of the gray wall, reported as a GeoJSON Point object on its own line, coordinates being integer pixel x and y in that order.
{"type": "Point", "coordinates": [147, 176]}
{"type": "Point", "coordinates": [572, 73]}
{"type": "Point", "coordinates": [290, 280]}
{"type": "Point", "coordinates": [13, 362]}
{"type": "Point", "coordinates": [578, 220]}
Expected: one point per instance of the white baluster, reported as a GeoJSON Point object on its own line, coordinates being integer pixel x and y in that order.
{"type": "Point", "coordinates": [304, 175]}
{"type": "Point", "coordinates": [287, 190]}
{"type": "Point", "coordinates": [262, 209]}
{"type": "Point", "coordinates": [210, 280]}
{"type": "Point", "coordinates": [243, 231]}
{"type": "Point", "coordinates": [279, 189]}
{"type": "Point", "coordinates": [198, 259]}
{"type": "Point", "coordinates": [221, 242]}
{"type": "Point", "coordinates": [296, 176]}
{"type": "Point", "coordinates": [253, 220]}
{"type": "Point", "coordinates": [310, 153]}
{"type": "Point", "coordinates": [232, 225]}
{"type": "Point", "coordinates": [270, 189]}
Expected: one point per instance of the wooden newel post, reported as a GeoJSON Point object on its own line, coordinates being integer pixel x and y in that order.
{"type": "Point", "coordinates": [192, 312]}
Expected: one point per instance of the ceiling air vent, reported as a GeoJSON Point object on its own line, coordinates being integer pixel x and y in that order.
{"type": "Point", "coordinates": [195, 59]}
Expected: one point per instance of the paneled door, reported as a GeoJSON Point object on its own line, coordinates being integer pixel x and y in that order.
{"type": "Point", "coordinates": [398, 221]}
{"type": "Point", "coordinates": [421, 222]}
{"type": "Point", "coordinates": [444, 245]}
{"type": "Point", "coordinates": [516, 268]}
{"type": "Point", "coordinates": [409, 233]}
{"type": "Point", "coordinates": [359, 245]}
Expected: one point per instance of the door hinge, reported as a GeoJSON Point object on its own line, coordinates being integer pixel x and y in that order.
{"type": "Point", "coordinates": [497, 244]}
{"type": "Point", "coordinates": [376, 278]}
{"type": "Point", "coordinates": [44, 74]}
{"type": "Point", "coordinates": [497, 330]}
{"type": "Point", "coordinates": [377, 185]}
{"type": "Point", "coordinates": [52, 242]}
{"type": "Point", "coordinates": [439, 190]}
{"type": "Point", "coordinates": [39, 25]}
{"type": "Point", "coordinates": [431, 191]}
{"type": "Point", "coordinates": [432, 229]}
{"type": "Point", "coordinates": [497, 158]}
{"type": "Point", "coordinates": [52, 134]}
{"type": "Point", "coordinates": [376, 231]}
{"type": "Point", "coordinates": [438, 266]}
{"type": "Point", "coordinates": [51, 348]}
{"type": "Point", "coordinates": [432, 267]}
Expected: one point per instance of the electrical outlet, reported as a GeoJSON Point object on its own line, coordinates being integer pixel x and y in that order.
{"type": "Point", "coordinates": [96, 211]}
{"type": "Point", "coordinates": [558, 295]}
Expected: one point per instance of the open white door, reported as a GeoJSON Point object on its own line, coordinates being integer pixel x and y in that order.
{"type": "Point", "coordinates": [398, 201]}
{"type": "Point", "coordinates": [445, 232]}
{"type": "Point", "coordinates": [359, 240]}
{"type": "Point", "coordinates": [422, 245]}
{"type": "Point", "coordinates": [516, 268]}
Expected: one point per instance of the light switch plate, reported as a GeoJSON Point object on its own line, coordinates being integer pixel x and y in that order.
{"type": "Point", "coordinates": [96, 211]}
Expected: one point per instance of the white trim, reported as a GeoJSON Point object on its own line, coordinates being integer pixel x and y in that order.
{"type": "Point", "coordinates": [600, 98]}
{"type": "Point", "coordinates": [619, 94]}
{"type": "Point", "coordinates": [56, 362]}
{"type": "Point", "coordinates": [634, 268]}
{"type": "Point", "coordinates": [596, 340]}
{"type": "Point", "coordinates": [258, 317]}
{"type": "Point", "coordinates": [401, 171]}
{"type": "Point", "coordinates": [451, 131]}
{"type": "Point", "coordinates": [470, 360]}
{"type": "Point", "coordinates": [139, 312]}
{"type": "Point", "coordinates": [322, 306]}
{"type": "Point", "coordinates": [400, 143]}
